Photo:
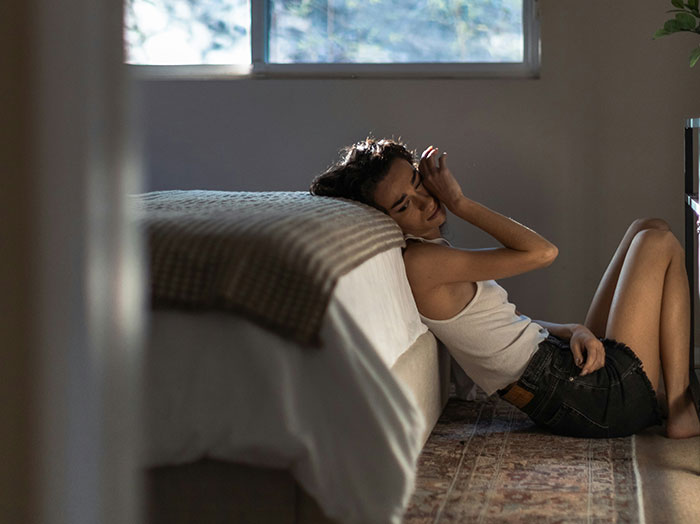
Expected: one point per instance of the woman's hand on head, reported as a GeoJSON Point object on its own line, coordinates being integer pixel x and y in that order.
{"type": "Point", "coordinates": [438, 178]}
{"type": "Point", "coordinates": [588, 350]}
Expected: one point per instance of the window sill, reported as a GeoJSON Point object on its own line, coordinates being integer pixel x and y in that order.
{"type": "Point", "coordinates": [411, 71]}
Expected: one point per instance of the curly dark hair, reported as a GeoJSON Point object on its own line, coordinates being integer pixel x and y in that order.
{"type": "Point", "coordinates": [362, 166]}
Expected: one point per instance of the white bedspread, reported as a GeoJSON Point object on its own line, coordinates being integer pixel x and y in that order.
{"type": "Point", "coordinates": [222, 387]}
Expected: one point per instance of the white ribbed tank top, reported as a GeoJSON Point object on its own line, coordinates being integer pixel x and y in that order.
{"type": "Point", "coordinates": [488, 340]}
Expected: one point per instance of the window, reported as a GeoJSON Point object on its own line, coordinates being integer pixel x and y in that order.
{"type": "Point", "coordinates": [336, 37]}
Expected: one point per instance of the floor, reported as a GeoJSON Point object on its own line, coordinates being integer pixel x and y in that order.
{"type": "Point", "coordinates": [670, 475]}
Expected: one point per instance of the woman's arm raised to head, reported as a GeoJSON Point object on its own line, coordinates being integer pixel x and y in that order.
{"type": "Point", "coordinates": [523, 249]}
{"type": "Point", "coordinates": [430, 265]}
{"type": "Point", "coordinates": [518, 240]}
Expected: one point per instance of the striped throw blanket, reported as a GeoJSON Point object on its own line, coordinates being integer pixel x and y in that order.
{"type": "Point", "coordinates": [274, 257]}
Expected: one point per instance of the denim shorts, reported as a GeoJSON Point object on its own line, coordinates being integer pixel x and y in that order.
{"type": "Point", "coordinates": [614, 401]}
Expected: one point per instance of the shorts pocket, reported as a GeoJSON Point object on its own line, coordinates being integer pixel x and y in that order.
{"type": "Point", "coordinates": [571, 422]}
{"type": "Point", "coordinates": [563, 365]}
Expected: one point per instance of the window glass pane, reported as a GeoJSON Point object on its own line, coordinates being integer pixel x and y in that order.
{"type": "Point", "coordinates": [187, 31]}
{"type": "Point", "coordinates": [371, 31]}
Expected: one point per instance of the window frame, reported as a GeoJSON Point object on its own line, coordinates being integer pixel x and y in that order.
{"type": "Point", "coordinates": [260, 68]}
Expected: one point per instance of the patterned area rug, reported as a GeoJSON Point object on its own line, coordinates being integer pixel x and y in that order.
{"type": "Point", "coordinates": [487, 462]}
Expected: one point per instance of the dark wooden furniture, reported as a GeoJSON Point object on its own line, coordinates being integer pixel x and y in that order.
{"type": "Point", "coordinates": [692, 230]}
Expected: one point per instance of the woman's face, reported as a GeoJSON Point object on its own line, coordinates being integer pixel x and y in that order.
{"type": "Point", "coordinates": [408, 202]}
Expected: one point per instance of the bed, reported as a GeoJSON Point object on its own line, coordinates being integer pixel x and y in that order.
{"type": "Point", "coordinates": [247, 421]}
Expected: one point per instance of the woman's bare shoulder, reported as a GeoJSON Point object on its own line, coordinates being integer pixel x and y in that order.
{"type": "Point", "coordinates": [416, 246]}
{"type": "Point", "coordinates": [422, 258]}
{"type": "Point", "coordinates": [439, 293]}
{"type": "Point", "coordinates": [417, 251]}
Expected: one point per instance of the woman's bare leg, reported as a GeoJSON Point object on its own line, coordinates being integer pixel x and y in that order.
{"type": "Point", "coordinates": [599, 310]}
{"type": "Point", "coordinates": [675, 315]}
{"type": "Point", "coordinates": [650, 312]}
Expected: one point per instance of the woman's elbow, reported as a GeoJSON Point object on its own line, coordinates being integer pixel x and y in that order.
{"type": "Point", "coordinates": [549, 254]}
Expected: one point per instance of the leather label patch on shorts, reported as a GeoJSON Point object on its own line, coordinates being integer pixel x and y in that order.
{"type": "Point", "coordinates": [518, 396]}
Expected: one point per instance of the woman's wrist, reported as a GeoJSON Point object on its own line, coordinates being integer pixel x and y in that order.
{"type": "Point", "coordinates": [577, 327]}
{"type": "Point", "coordinates": [458, 204]}
{"type": "Point", "coordinates": [572, 329]}
{"type": "Point", "coordinates": [563, 331]}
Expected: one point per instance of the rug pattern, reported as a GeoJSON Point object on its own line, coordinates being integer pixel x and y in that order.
{"type": "Point", "coordinates": [485, 461]}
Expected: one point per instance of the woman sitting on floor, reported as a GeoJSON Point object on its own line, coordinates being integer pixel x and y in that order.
{"type": "Point", "coordinates": [574, 379]}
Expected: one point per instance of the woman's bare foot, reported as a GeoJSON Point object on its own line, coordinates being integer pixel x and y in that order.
{"type": "Point", "coordinates": [683, 421]}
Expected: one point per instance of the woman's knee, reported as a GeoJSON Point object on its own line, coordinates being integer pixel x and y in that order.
{"type": "Point", "coordinates": [641, 224]}
{"type": "Point", "coordinates": [660, 241]}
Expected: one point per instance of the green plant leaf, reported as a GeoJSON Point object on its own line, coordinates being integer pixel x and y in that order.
{"type": "Point", "coordinates": [685, 21]}
{"type": "Point", "coordinates": [692, 12]}
{"type": "Point", "coordinates": [677, 3]}
{"type": "Point", "coordinates": [694, 56]}
{"type": "Point", "coordinates": [659, 33]}
{"type": "Point", "coordinates": [693, 4]}
{"type": "Point", "coordinates": [671, 26]}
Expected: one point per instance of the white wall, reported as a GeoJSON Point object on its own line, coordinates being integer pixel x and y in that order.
{"type": "Point", "coordinates": [575, 154]}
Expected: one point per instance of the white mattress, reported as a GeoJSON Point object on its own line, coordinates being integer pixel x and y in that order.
{"type": "Point", "coordinates": [378, 297]}
{"type": "Point", "coordinates": [222, 387]}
